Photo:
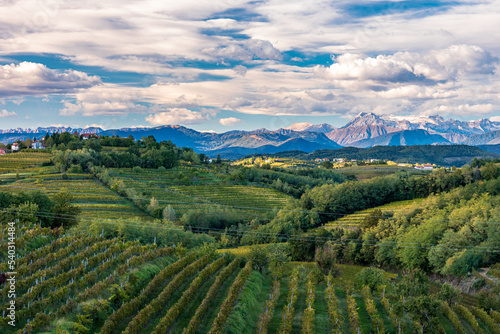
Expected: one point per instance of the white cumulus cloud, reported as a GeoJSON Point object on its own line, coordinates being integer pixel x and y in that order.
{"type": "Point", "coordinates": [175, 116]}
{"type": "Point", "coordinates": [5, 113]}
{"type": "Point", "coordinates": [28, 78]}
{"type": "Point", "coordinates": [435, 65]}
{"type": "Point", "coordinates": [230, 121]}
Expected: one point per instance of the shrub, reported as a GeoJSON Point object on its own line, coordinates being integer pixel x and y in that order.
{"type": "Point", "coordinates": [371, 277]}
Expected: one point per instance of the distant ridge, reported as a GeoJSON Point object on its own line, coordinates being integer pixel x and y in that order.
{"type": "Point", "coordinates": [363, 130]}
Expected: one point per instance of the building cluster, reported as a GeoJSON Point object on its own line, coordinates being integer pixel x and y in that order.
{"type": "Point", "coordinates": [36, 145]}
{"type": "Point", "coordinates": [424, 167]}
{"type": "Point", "coordinates": [40, 144]}
{"type": "Point", "coordinates": [342, 160]}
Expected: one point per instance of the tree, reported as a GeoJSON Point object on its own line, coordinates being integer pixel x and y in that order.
{"type": "Point", "coordinates": [326, 164]}
{"type": "Point", "coordinates": [278, 255]}
{"type": "Point", "coordinates": [302, 249]}
{"type": "Point", "coordinates": [372, 219]}
{"type": "Point", "coordinates": [65, 213]}
{"type": "Point", "coordinates": [414, 283]}
{"type": "Point", "coordinates": [259, 258]}
{"type": "Point", "coordinates": [325, 258]}
{"type": "Point", "coordinates": [448, 293]}
{"type": "Point", "coordinates": [169, 213]}
{"type": "Point", "coordinates": [219, 160]}
{"type": "Point", "coordinates": [371, 277]}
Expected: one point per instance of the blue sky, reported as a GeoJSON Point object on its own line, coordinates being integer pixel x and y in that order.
{"type": "Point", "coordinates": [216, 65]}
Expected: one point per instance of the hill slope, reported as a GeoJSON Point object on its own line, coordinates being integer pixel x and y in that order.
{"type": "Point", "coordinates": [405, 138]}
{"type": "Point", "coordinates": [489, 138]}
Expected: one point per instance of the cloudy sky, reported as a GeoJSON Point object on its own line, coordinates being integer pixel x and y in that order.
{"type": "Point", "coordinates": [218, 65]}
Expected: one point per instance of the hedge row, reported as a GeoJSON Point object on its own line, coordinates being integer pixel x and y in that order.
{"type": "Point", "coordinates": [334, 319]}
{"type": "Point", "coordinates": [293, 292]}
{"type": "Point", "coordinates": [469, 317]}
{"type": "Point", "coordinates": [495, 315]}
{"type": "Point", "coordinates": [132, 306]}
{"type": "Point", "coordinates": [195, 321]}
{"type": "Point", "coordinates": [377, 323]}
{"type": "Point", "coordinates": [481, 314]}
{"type": "Point", "coordinates": [228, 304]}
{"type": "Point", "coordinates": [158, 303]}
{"type": "Point", "coordinates": [352, 309]}
{"type": "Point", "coordinates": [308, 317]}
{"type": "Point", "coordinates": [455, 321]}
{"type": "Point", "coordinates": [175, 310]}
{"type": "Point", "coordinates": [270, 304]}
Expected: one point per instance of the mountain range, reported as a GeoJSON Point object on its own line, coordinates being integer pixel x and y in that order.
{"type": "Point", "coordinates": [363, 131]}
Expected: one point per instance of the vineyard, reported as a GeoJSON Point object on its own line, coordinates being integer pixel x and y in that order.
{"type": "Point", "coordinates": [19, 161]}
{"type": "Point", "coordinates": [170, 187]}
{"type": "Point", "coordinates": [94, 199]}
{"type": "Point", "coordinates": [85, 283]}
{"type": "Point", "coordinates": [357, 218]}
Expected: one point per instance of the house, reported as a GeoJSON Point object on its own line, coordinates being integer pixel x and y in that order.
{"type": "Point", "coordinates": [424, 167]}
{"type": "Point", "coordinates": [15, 147]}
{"type": "Point", "coordinates": [374, 160]}
{"type": "Point", "coordinates": [89, 135]}
{"type": "Point", "coordinates": [2, 151]}
{"type": "Point", "coordinates": [37, 145]}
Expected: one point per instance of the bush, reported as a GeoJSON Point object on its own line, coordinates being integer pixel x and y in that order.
{"type": "Point", "coordinates": [371, 277]}
{"type": "Point", "coordinates": [325, 258]}
{"type": "Point", "coordinates": [488, 300]}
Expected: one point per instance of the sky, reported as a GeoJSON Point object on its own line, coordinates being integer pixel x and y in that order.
{"type": "Point", "coordinates": [220, 65]}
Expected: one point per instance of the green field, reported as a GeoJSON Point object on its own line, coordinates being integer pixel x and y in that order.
{"type": "Point", "coordinates": [205, 189]}
{"type": "Point", "coordinates": [193, 293]}
{"type": "Point", "coordinates": [95, 200]}
{"type": "Point", "coordinates": [19, 161]}
{"type": "Point", "coordinates": [371, 171]}
{"type": "Point", "coordinates": [356, 219]}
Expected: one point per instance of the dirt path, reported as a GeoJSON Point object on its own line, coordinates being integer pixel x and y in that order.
{"type": "Point", "coordinates": [483, 273]}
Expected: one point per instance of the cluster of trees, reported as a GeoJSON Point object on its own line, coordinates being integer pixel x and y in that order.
{"type": "Point", "coordinates": [449, 232]}
{"type": "Point", "coordinates": [289, 181]}
{"type": "Point", "coordinates": [35, 207]}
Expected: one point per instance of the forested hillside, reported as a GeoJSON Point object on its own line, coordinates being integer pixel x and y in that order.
{"type": "Point", "coordinates": [445, 155]}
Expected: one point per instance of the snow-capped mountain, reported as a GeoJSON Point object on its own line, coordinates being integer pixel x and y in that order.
{"type": "Point", "coordinates": [368, 125]}
{"type": "Point", "coordinates": [364, 130]}
{"type": "Point", "coordinates": [52, 129]}
{"type": "Point", "coordinates": [323, 128]}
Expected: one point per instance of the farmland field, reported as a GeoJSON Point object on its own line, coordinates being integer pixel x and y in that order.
{"type": "Point", "coordinates": [167, 188]}
{"type": "Point", "coordinates": [356, 219]}
{"type": "Point", "coordinates": [371, 171]}
{"type": "Point", "coordinates": [19, 161]}
{"type": "Point", "coordinates": [195, 292]}
{"type": "Point", "coordinates": [95, 200]}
